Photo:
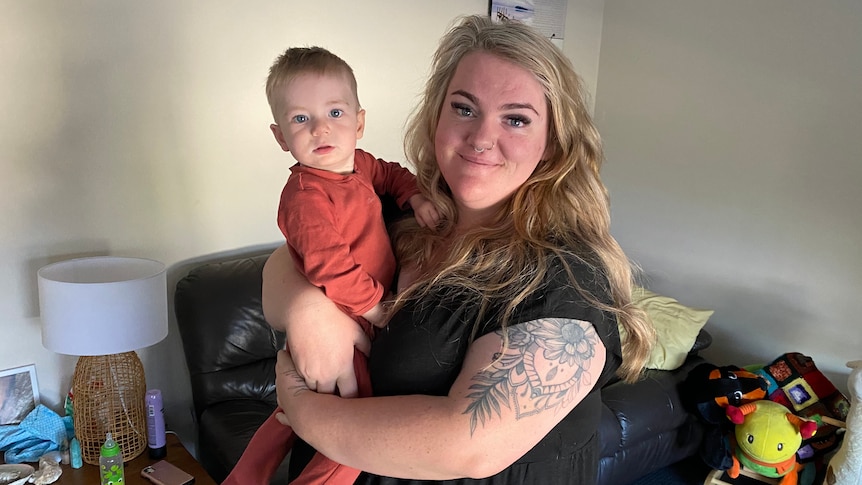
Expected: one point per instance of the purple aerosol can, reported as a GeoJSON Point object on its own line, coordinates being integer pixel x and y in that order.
{"type": "Point", "coordinates": [155, 424]}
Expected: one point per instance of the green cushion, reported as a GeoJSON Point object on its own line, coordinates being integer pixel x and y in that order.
{"type": "Point", "coordinates": [676, 327]}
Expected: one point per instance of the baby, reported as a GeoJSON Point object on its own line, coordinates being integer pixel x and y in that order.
{"type": "Point", "coordinates": [331, 216]}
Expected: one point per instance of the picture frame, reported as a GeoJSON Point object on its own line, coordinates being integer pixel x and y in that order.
{"type": "Point", "coordinates": [19, 393]}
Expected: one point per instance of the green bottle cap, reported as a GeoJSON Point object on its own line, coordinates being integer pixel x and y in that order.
{"type": "Point", "coordinates": [110, 447]}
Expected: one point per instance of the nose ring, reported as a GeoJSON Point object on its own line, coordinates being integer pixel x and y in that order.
{"type": "Point", "coordinates": [480, 150]}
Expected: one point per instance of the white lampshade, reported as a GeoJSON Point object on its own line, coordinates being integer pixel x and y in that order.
{"type": "Point", "coordinates": [103, 305]}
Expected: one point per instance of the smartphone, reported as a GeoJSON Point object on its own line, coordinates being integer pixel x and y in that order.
{"type": "Point", "coordinates": [164, 473]}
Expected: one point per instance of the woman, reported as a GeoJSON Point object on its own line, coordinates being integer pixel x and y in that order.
{"type": "Point", "coordinates": [505, 327]}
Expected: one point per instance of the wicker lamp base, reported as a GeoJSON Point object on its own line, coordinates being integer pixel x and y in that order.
{"type": "Point", "coordinates": [108, 397]}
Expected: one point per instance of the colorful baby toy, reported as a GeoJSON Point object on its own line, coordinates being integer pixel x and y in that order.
{"type": "Point", "coordinates": [707, 392]}
{"type": "Point", "coordinates": [767, 438]}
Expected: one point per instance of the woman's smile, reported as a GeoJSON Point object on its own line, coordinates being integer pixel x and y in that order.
{"type": "Point", "coordinates": [478, 160]}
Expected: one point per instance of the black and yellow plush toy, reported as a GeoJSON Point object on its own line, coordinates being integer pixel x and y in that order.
{"type": "Point", "coordinates": [707, 392]}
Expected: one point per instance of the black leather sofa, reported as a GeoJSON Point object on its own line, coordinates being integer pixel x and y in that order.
{"type": "Point", "coordinates": [230, 352]}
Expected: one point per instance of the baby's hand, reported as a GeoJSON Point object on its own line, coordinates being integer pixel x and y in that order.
{"type": "Point", "coordinates": [424, 211]}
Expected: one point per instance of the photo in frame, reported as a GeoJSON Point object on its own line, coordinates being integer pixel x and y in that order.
{"type": "Point", "coordinates": [19, 393]}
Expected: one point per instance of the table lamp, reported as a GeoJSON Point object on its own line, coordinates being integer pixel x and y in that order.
{"type": "Point", "coordinates": [103, 309]}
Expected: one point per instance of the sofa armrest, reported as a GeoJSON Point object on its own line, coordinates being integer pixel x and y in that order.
{"type": "Point", "coordinates": [644, 408]}
{"type": "Point", "coordinates": [229, 348]}
{"type": "Point", "coordinates": [703, 341]}
{"type": "Point", "coordinates": [644, 425]}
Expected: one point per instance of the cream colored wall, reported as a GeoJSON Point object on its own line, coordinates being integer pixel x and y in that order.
{"type": "Point", "coordinates": [732, 133]}
{"type": "Point", "coordinates": [141, 129]}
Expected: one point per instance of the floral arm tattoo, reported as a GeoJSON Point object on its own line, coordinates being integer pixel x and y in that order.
{"type": "Point", "coordinates": [546, 362]}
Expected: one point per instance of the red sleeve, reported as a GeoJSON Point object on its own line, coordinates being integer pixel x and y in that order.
{"type": "Point", "coordinates": [306, 219]}
{"type": "Point", "coordinates": [387, 177]}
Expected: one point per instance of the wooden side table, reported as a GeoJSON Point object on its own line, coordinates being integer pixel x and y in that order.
{"type": "Point", "coordinates": [177, 455]}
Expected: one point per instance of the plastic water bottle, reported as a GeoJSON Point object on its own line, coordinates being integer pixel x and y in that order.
{"type": "Point", "coordinates": [111, 462]}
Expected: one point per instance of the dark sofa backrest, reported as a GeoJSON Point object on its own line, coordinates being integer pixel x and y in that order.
{"type": "Point", "coordinates": [229, 348]}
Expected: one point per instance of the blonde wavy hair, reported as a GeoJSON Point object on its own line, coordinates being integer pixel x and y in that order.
{"type": "Point", "coordinates": [561, 210]}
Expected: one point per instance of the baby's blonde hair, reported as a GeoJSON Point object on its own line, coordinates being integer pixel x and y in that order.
{"type": "Point", "coordinates": [302, 60]}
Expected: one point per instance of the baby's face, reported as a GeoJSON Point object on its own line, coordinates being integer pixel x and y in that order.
{"type": "Point", "coordinates": [319, 122]}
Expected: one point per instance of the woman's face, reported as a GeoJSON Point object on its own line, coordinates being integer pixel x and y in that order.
{"type": "Point", "coordinates": [499, 108]}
